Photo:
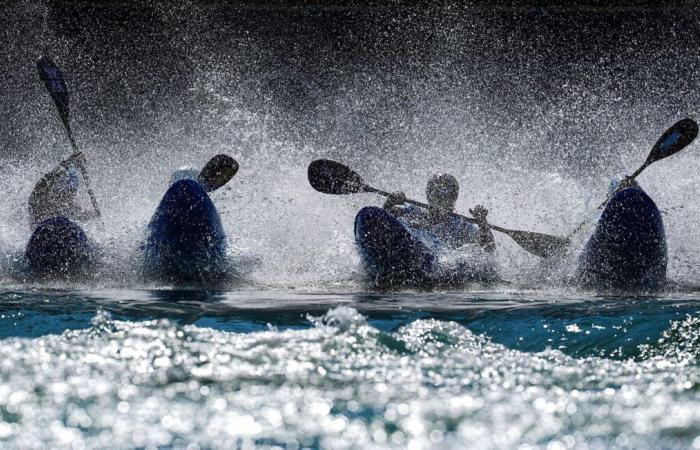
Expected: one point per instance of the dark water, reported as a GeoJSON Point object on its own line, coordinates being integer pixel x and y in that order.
{"type": "Point", "coordinates": [530, 321]}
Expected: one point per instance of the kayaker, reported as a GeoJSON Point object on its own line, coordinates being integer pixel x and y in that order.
{"type": "Point", "coordinates": [56, 194]}
{"type": "Point", "coordinates": [442, 192]}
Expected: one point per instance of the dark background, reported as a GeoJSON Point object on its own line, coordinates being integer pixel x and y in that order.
{"type": "Point", "coordinates": [361, 79]}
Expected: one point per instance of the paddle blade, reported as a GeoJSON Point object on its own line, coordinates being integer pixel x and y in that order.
{"type": "Point", "coordinates": [53, 80]}
{"type": "Point", "coordinates": [332, 177]}
{"type": "Point", "coordinates": [217, 172]}
{"type": "Point", "coordinates": [673, 140]}
{"type": "Point", "coordinates": [542, 245]}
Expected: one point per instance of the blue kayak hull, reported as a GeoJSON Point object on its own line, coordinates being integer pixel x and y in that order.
{"type": "Point", "coordinates": [627, 251]}
{"type": "Point", "coordinates": [59, 248]}
{"type": "Point", "coordinates": [185, 240]}
{"type": "Point", "coordinates": [394, 254]}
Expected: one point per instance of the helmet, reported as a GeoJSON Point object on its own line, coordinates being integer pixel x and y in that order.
{"type": "Point", "coordinates": [184, 173]}
{"type": "Point", "coordinates": [442, 191]}
{"type": "Point", "coordinates": [69, 181]}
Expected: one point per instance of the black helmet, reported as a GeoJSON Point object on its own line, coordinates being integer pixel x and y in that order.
{"type": "Point", "coordinates": [442, 191]}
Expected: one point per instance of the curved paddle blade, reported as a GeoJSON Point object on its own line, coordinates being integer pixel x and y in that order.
{"type": "Point", "coordinates": [673, 140]}
{"type": "Point", "coordinates": [217, 172]}
{"type": "Point", "coordinates": [542, 245]}
{"type": "Point", "coordinates": [332, 177]}
{"type": "Point", "coordinates": [53, 80]}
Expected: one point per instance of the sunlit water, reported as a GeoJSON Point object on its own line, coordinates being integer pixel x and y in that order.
{"type": "Point", "coordinates": [532, 110]}
{"type": "Point", "coordinates": [183, 369]}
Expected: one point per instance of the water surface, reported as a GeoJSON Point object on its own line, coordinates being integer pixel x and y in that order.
{"type": "Point", "coordinates": [169, 368]}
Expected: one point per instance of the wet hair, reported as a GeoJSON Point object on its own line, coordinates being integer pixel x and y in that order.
{"type": "Point", "coordinates": [442, 190]}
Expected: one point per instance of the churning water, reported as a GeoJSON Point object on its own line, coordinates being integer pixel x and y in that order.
{"type": "Point", "coordinates": [532, 109]}
{"type": "Point", "coordinates": [128, 369]}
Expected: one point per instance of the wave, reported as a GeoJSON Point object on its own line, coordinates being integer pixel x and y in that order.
{"type": "Point", "coordinates": [341, 383]}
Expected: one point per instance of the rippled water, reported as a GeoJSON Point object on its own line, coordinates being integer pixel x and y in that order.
{"type": "Point", "coordinates": [194, 369]}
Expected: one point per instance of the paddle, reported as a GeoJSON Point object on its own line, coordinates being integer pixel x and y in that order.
{"type": "Point", "coordinates": [672, 141]}
{"type": "Point", "coordinates": [332, 177]}
{"type": "Point", "coordinates": [53, 80]}
{"type": "Point", "coordinates": [217, 172]}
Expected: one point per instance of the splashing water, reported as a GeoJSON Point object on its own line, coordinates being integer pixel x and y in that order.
{"type": "Point", "coordinates": [532, 109]}
{"type": "Point", "coordinates": [532, 131]}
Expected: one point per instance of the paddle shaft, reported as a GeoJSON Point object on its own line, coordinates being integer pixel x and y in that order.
{"type": "Point", "coordinates": [542, 245]}
{"type": "Point", "coordinates": [638, 171]}
{"type": "Point", "coordinates": [53, 81]}
{"type": "Point", "coordinates": [425, 205]}
{"type": "Point", "coordinates": [602, 205]}
{"type": "Point", "coordinates": [682, 133]}
{"type": "Point", "coordinates": [82, 169]}
{"type": "Point", "coordinates": [634, 175]}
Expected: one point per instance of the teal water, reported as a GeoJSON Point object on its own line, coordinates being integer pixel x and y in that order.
{"type": "Point", "coordinates": [242, 369]}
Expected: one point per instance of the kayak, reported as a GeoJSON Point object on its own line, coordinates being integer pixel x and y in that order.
{"type": "Point", "coordinates": [627, 250]}
{"type": "Point", "coordinates": [59, 248]}
{"type": "Point", "coordinates": [185, 239]}
{"type": "Point", "coordinates": [395, 254]}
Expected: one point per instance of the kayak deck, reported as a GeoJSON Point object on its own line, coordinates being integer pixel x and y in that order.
{"type": "Point", "coordinates": [394, 254]}
{"type": "Point", "coordinates": [185, 239]}
{"type": "Point", "coordinates": [627, 250]}
{"type": "Point", "coordinates": [59, 248]}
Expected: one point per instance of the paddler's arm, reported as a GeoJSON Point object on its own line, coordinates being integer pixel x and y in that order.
{"type": "Point", "coordinates": [38, 210]}
{"type": "Point", "coordinates": [43, 202]}
{"type": "Point", "coordinates": [42, 199]}
{"type": "Point", "coordinates": [627, 182]}
{"type": "Point", "coordinates": [393, 202]}
{"type": "Point", "coordinates": [485, 238]}
{"type": "Point", "coordinates": [45, 184]}
{"type": "Point", "coordinates": [82, 214]}
{"type": "Point", "coordinates": [77, 160]}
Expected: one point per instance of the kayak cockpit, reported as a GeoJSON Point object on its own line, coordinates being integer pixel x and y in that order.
{"type": "Point", "coordinates": [393, 254]}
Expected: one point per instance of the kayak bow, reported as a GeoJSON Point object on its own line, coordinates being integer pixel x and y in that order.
{"type": "Point", "coordinates": [59, 248]}
{"type": "Point", "coordinates": [627, 250]}
{"type": "Point", "coordinates": [186, 242]}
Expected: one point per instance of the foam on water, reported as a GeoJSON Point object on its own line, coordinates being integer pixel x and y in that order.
{"type": "Point", "coordinates": [339, 384]}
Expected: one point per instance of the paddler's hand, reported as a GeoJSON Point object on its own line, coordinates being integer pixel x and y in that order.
{"type": "Point", "coordinates": [75, 160]}
{"type": "Point", "coordinates": [626, 183]}
{"type": "Point", "coordinates": [480, 213]}
{"type": "Point", "coordinates": [485, 235]}
{"type": "Point", "coordinates": [395, 199]}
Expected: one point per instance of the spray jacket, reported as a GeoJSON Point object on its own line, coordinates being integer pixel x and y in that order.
{"type": "Point", "coordinates": [51, 198]}
{"type": "Point", "coordinates": [454, 232]}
